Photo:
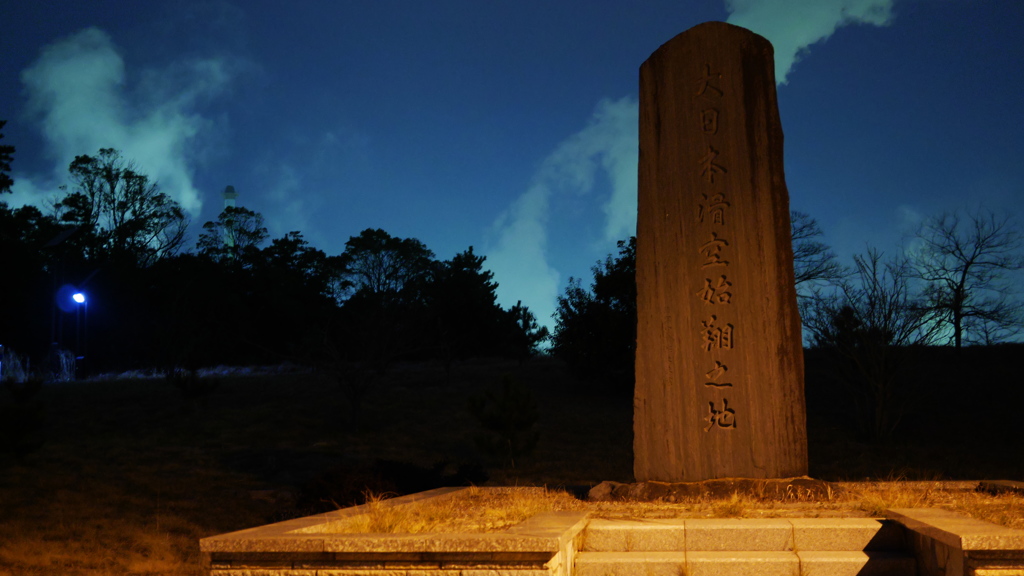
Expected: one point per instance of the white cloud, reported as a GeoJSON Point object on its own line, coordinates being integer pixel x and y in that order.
{"type": "Point", "coordinates": [519, 261]}
{"type": "Point", "coordinates": [606, 146]}
{"type": "Point", "coordinates": [792, 26]}
{"type": "Point", "coordinates": [27, 191]}
{"type": "Point", "coordinates": [614, 138]}
{"type": "Point", "coordinates": [77, 91]}
{"type": "Point", "coordinates": [290, 210]}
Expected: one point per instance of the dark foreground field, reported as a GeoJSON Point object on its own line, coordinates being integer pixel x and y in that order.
{"type": "Point", "coordinates": [131, 474]}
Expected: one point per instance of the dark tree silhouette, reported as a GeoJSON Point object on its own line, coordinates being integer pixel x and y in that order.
{"type": "Point", "coordinates": [237, 234]}
{"type": "Point", "coordinates": [465, 319]}
{"type": "Point", "coordinates": [292, 293]}
{"type": "Point", "coordinates": [966, 264]}
{"type": "Point", "coordinates": [291, 255]}
{"type": "Point", "coordinates": [26, 284]}
{"type": "Point", "coordinates": [6, 157]}
{"type": "Point", "coordinates": [508, 417]}
{"type": "Point", "coordinates": [128, 218]}
{"type": "Point", "coordinates": [813, 261]}
{"type": "Point", "coordinates": [380, 264]}
{"type": "Point", "coordinates": [526, 334]}
{"type": "Point", "coordinates": [595, 330]}
{"type": "Point", "coordinates": [868, 323]}
{"type": "Point", "coordinates": [381, 283]}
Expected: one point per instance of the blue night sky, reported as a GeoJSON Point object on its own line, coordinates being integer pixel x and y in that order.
{"type": "Point", "coordinates": [508, 126]}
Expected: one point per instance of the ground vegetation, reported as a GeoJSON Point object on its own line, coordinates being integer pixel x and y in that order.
{"type": "Point", "coordinates": [129, 474]}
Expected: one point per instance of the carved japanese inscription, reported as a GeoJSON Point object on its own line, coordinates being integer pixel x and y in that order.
{"type": "Point", "coordinates": [719, 364]}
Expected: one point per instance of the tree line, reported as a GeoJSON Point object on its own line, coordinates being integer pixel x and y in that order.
{"type": "Point", "coordinates": [953, 284]}
{"type": "Point", "coordinates": [236, 297]}
{"type": "Point", "coordinates": [241, 297]}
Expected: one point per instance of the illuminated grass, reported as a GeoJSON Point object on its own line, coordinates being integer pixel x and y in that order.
{"type": "Point", "coordinates": [471, 510]}
{"type": "Point", "coordinates": [851, 500]}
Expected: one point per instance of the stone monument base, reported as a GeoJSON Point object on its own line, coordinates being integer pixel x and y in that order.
{"type": "Point", "coordinates": [799, 488]}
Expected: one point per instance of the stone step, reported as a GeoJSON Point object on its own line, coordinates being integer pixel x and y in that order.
{"type": "Point", "coordinates": [720, 534]}
{"type": "Point", "coordinates": [745, 563]}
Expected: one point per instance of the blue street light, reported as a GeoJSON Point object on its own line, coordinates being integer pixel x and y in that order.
{"type": "Point", "coordinates": [81, 327]}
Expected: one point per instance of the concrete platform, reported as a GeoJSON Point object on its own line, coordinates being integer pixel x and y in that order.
{"type": "Point", "coordinates": [738, 534]}
{"type": "Point", "coordinates": [908, 542]}
{"type": "Point", "coordinates": [772, 547]}
{"type": "Point", "coordinates": [544, 545]}
{"type": "Point", "coordinates": [753, 563]}
{"type": "Point", "coordinates": [949, 544]}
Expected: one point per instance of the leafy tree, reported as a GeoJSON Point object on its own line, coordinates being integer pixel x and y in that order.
{"type": "Point", "coordinates": [269, 308]}
{"type": "Point", "coordinates": [381, 280]}
{"type": "Point", "coordinates": [128, 217]}
{"type": "Point", "coordinates": [6, 157]}
{"type": "Point", "coordinates": [868, 324]}
{"type": "Point", "coordinates": [461, 302]}
{"type": "Point", "coordinates": [965, 263]}
{"type": "Point", "coordinates": [526, 335]}
{"type": "Point", "coordinates": [292, 292]}
{"type": "Point", "coordinates": [292, 253]}
{"type": "Point", "coordinates": [595, 330]}
{"type": "Point", "coordinates": [380, 264]}
{"type": "Point", "coordinates": [236, 234]}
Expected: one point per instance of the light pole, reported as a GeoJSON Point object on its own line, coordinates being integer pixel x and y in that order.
{"type": "Point", "coordinates": [81, 326]}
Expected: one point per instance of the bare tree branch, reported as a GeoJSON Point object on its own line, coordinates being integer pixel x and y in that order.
{"type": "Point", "coordinates": [813, 261]}
{"type": "Point", "coordinates": [965, 262]}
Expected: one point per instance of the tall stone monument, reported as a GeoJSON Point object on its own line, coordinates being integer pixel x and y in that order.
{"type": "Point", "coordinates": [719, 362]}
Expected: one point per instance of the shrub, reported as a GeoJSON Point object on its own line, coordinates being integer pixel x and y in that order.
{"type": "Point", "coordinates": [507, 416]}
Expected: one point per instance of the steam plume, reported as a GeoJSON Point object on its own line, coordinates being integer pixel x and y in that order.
{"type": "Point", "coordinates": [78, 93]}
{"type": "Point", "coordinates": [793, 26]}
{"type": "Point", "coordinates": [607, 145]}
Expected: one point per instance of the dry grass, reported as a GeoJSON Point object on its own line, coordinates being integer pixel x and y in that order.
{"type": "Point", "coordinates": [493, 509]}
{"type": "Point", "coordinates": [471, 510]}
{"type": "Point", "coordinates": [850, 500]}
{"type": "Point", "coordinates": [1005, 509]}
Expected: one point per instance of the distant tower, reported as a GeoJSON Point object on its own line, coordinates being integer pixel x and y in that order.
{"type": "Point", "coordinates": [229, 197]}
{"type": "Point", "coordinates": [229, 222]}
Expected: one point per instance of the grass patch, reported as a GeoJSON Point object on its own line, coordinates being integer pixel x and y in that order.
{"type": "Point", "coordinates": [850, 500]}
{"type": "Point", "coordinates": [494, 509]}
{"type": "Point", "coordinates": [471, 510]}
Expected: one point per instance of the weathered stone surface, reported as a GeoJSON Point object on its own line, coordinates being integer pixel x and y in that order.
{"type": "Point", "coordinates": [635, 536]}
{"type": "Point", "coordinates": [747, 534]}
{"type": "Point", "coordinates": [506, 573]}
{"type": "Point", "coordinates": [835, 563]}
{"type": "Point", "coordinates": [739, 534]}
{"type": "Point", "coordinates": [839, 563]}
{"type": "Point", "coordinates": [719, 363]}
{"type": "Point", "coordinates": [948, 544]}
{"type": "Point", "coordinates": [957, 531]}
{"type": "Point", "coordinates": [262, 572]}
{"type": "Point", "coordinates": [630, 564]}
{"type": "Point", "coordinates": [828, 534]}
{"type": "Point", "coordinates": [742, 564]}
{"type": "Point", "coordinates": [347, 571]}
{"type": "Point", "coordinates": [770, 488]}
{"type": "Point", "coordinates": [1001, 486]}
